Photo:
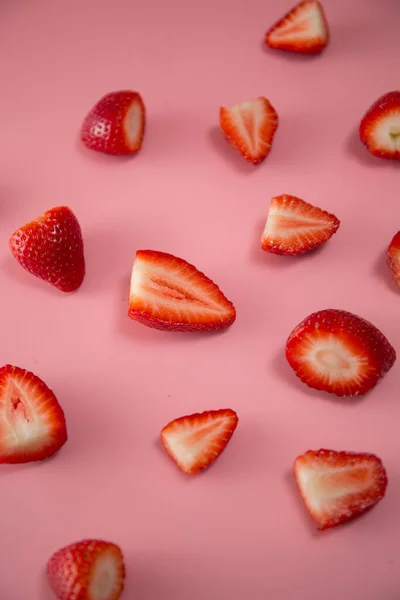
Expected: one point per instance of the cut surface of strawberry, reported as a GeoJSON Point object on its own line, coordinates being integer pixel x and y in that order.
{"type": "Point", "coordinates": [303, 29]}
{"type": "Point", "coordinates": [169, 294]}
{"type": "Point", "coordinates": [194, 442]}
{"type": "Point", "coordinates": [32, 423]}
{"type": "Point", "coordinates": [339, 486]}
{"type": "Point", "coordinates": [339, 352]}
{"type": "Point", "coordinates": [295, 227]}
{"type": "Point", "coordinates": [87, 570]}
{"type": "Point", "coordinates": [51, 248]}
{"type": "Point", "coordinates": [393, 257]}
{"type": "Point", "coordinates": [250, 128]}
{"type": "Point", "coordinates": [116, 124]}
{"type": "Point", "coordinates": [380, 127]}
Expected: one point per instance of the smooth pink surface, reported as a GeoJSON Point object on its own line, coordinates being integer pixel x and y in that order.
{"type": "Point", "coordinates": [239, 531]}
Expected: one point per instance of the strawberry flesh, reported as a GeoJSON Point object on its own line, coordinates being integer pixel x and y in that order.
{"type": "Point", "coordinates": [338, 352]}
{"type": "Point", "coordinates": [339, 486]}
{"type": "Point", "coordinates": [87, 570]}
{"type": "Point", "coordinates": [51, 248]}
{"type": "Point", "coordinates": [194, 442]}
{"type": "Point", "coordinates": [303, 29]}
{"type": "Point", "coordinates": [380, 127]}
{"type": "Point", "coordinates": [116, 124]}
{"type": "Point", "coordinates": [169, 294]}
{"type": "Point", "coordinates": [295, 227]}
{"type": "Point", "coordinates": [393, 257]}
{"type": "Point", "coordinates": [250, 128]}
{"type": "Point", "coordinates": [32, 423]}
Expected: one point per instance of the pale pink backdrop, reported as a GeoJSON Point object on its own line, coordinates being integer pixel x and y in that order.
{"type": "Point", "coordinates": [238, 531]}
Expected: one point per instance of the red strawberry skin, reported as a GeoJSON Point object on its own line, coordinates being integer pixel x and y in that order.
{"type": "Point", "coordinates": [116, 124]}
{"type": "Point", "coordinates": [32, 423]}
{"type": "Point", "coordinates": [169, 294]}
{"type": "Point", "coordinates": [87, 570]}
{"type": "Point", "coordinates": [338, 352]}
{"type": "Point", "coordinates": [393, 257]}
{"type": "Point", "coordinates": [339, 486]}
{"type": "Point", "coordinates": [380, 127]}
{"type": "Point", "coordinates": [194, 442]}
{"type": "Point", "coordinates": [51, 248]}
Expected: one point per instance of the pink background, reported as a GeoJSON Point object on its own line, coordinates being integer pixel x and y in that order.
{"type": "Point", "coordinates": [239, 530]}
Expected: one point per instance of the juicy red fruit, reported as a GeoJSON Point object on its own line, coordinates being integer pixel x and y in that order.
{"type": "Point", "coordinates": [339, 352]}
{"type": "Point", "coordinates": [116, 124]}
{"type": "Point", "coordinates": [51, 248]}
{"type": "Point", "coordinates": [32, 423]}
{"type": "Point", "coordinates": [393, 257]}
{"type": "Point", "coordinates": [380, 127]}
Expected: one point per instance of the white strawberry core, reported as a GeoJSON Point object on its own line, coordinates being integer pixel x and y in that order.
{"type": "Point", "coordinates": [386, 133]}
{"type": "Point", "coordinates": [105, 579]}
{"type": "Point", "coordinates": [133, 124]}
{"type": "Point", "coordinates": [302, 24]}
{"type": "Point", "coordinates": [249, 119]}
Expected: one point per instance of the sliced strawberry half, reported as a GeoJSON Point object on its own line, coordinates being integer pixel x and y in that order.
{"type": "Point", "coordinates": [250, 128]}
{"type": "Point", "coordinates": [380, 127]}
{"type": "Point", "coordinates": [303, 29]}
{"type": "Point", "coordinates": [32, 423]}
{"type": "Point", "coordinates": [194, 442]}
{"type": "Point", "coordinates": [339, 486]}
{"type": "Point", "coordinates": [295, 227]}
{"type": "Point", "coordinates": [393, 257]}
{"type": "Point", "coordinates": [338, 352]}
{"type": "Point", "coordinates": [116, 124]}
{"type": "Point", "coordinates": [87, 570]}
{"type": "Point", "coordinates": [168, 293]}
{"type": "Point", "coordinates": [51, 248]}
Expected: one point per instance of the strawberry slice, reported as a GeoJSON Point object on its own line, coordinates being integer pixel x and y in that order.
{"type": "Point", "coordinates": [168, 293]}
{"type": "Point", "coordinates": [194, 442]}
{"type": "Point", "coordinates": [32, 423]}
{"type": "Point", "coordinates": [116, 124]}
{"type": "Point", "coordinates": [339, 486]}
{"type": "Point", "coordinates": [51, 248]}
{"type": "Point", "coordinates": [250, 128]}
{"type": "Point", "coordinates": [380, 127]}
{"type": "Point", "coordinates": [393, 257]}
{"type": "Point", "coordinates": [295, 227]}
{"type": "Point", "coordinates": [338, 352]}
{"type": "Point", "coordinates": [87, 570]}
{"type": "Point", "coordinates": [303, 29]}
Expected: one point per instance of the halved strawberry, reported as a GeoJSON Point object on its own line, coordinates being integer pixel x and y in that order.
{"type": "Point", "coordinates": [195, 441]}
{"type": "Point", "coordinates": [51, 248]}
{"type": "Point", "coordinates": [294, 226]}
{"type": "Point", "coordinates": [250, 127]}
{"type": "Point", "coordinates": [380, 127]}
{"type": "Point", "coordinates": [168, 293]}
{"type": "Point", "coordinates": [339, 486]}
{"type": "Point", "coordinates": [116, 124]}
{"type": "Point", "coordinates": [87, 570]}
{"type": "Point", "coordinates": [338, 352]}
{"type": "Point", "coordinates": [303, 29]}
{"type": "Point", "coordinates": [393, 257]}
{"type": "Point", "coordinates": [32, 423]}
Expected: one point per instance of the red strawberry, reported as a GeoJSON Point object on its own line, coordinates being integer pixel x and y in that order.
{"type": "Point", "coordinates": [32, 423]}
{"type": "Point", "coordinates": [250, 127]}
{"type": "Point", "coordinates": [195, 441]}
{"type": "Point", "coordinates": [303, 29]}
{"type": "Point", "coordinates": [339, 486]}
{"type": "Point", "coordinates": [380, 127]}
{"type": "Point", "coordinates": [116, 124]}
{"type": "Point", "coordinates": [338, 352]}
{"type": "Point", "coordinates": [168, 293]}
{"type": "Point", "coordinates": [393, 257]}
{"type": "Point", "coordinates": [294, 226]}
{"type": "Point", "coordinates": [87, 570]}
{"type": "Point", "coordinates": [51, 248]}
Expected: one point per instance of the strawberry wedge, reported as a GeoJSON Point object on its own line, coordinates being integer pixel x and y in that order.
{"type": "Point", "coordinates": [169, 294]}
{"type": "Point", "coordinates": [339, 486]}
{"type": "Point", "coordinates": [393, 257]}
{"type": "Point", "coordinates": [338, 352]}
{"type": "Point", "coordinates": [194, 442]}
{"type": "Point", "coordinates": [380, 127]}
{"type": "Point", "coordinates": [294, 227]}
{"type": "Point", "coordinates": [32, 423]}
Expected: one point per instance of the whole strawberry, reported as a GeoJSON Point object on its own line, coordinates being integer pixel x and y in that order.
{"type": "Point", "coordinates": [51, 248]}
{"type": "Point", "coordinates": [116, 124]}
